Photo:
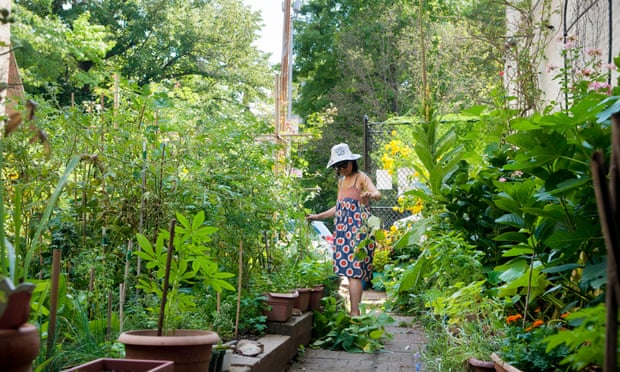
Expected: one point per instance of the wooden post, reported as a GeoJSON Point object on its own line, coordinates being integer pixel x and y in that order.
{"type": "Point", "coordinates": [162, 308]}
{"type": "Point", "coordinates": [51, 331]}
{"type": "Point", "coordinates": [609, 212]}
{"type": "Point", "coordinates": [239, 281]}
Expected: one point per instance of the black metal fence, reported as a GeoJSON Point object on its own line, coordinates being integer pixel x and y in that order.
{"type": "Point", "coordinates": [376, 135]}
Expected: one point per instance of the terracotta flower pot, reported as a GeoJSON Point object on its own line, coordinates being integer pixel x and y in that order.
{"type": "Point", "coordinates": [315, 297]}
{"type": "Point", "coordinates": [281, 306]}
{"type": "Point", "coordinates": [18, 348]}
{"type": "Point", "coordinates": [190, 350]}
{"type": "Point", "coordinates": [303, 301]}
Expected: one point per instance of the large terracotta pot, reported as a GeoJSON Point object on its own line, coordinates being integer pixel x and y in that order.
{"type": "Point", "coordinates": [18, 348]}
{"type": "Point", "coordinates": [280, 306]}
{"type": "Point", "coordinates": [190, 350]}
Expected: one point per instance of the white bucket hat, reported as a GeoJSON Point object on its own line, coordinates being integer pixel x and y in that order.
{"type": "Point", "coordinates": [341, 152]}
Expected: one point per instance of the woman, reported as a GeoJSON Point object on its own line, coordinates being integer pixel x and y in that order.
{"type": "Point", "coordinates": [355, 190]}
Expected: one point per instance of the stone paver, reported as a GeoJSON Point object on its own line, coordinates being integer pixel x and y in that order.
{"type": "Point", "coordinates": [401, 352]}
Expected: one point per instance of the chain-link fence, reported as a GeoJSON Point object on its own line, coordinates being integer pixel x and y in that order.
{"type": "Point", "coordinates": [376, 135]}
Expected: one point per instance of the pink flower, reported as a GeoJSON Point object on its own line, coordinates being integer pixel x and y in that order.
{"type": "Point", "coordinates": [568, 45]}
{"type": "Point", "coordinates": [501, 73]}
{"type": "Point", "coordinates": [502, 179]}
{"type": "Point", "coordinates": [551, 67]}
{"type": "Point", "coordinates": [610, 67]}
{"type": "Point", "coordinates": [595, 52]}
{"type": "Point", "coordinates": [597, 85]}
{"type": "Point", "coordinates": [586, 71]}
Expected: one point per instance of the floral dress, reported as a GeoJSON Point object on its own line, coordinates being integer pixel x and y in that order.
{"type": "Point", "coordinates": [349, 231]}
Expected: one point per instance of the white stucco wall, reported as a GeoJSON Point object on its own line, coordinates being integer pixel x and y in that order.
{"type": "Point", "coordinates": [586, 27]}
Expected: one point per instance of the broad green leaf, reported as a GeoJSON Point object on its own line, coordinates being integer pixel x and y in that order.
{"type": "Point", "coordinates": [518, 251]}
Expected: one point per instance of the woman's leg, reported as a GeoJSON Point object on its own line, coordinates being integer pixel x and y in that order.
{"type": "Point", "coordinates": [355, 294]}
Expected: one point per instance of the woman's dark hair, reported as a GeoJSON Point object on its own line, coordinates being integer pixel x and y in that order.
{"type": "Point", "coordinates": [354, 168]}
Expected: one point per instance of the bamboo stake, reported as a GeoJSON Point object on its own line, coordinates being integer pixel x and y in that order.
{"type": "Point", "coordinates": [51, 331]}
{"type": "Point", "coordinates": [109, 325]}
{"type": "Point", "coordinates": [142, 205]}
{"type": "Point", "coordinates": [162, 308]}
{"type": "Point", "coordinates": [117, 99]}
{"type": "Point", "coordinates": [239, 289]}
{"type": "Point", "coordinates": [123, 285]}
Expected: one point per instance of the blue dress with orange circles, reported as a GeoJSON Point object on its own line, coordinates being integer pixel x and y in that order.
{"type": "Point", "coordinates": [349, 231]}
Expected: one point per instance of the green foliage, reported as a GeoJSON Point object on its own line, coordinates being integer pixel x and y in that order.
{"type": "Point", "coordinates": [334, 329]}
{"type": "Point", "coordinates": [527, 349]}
{"type": "Point", "coordinates": [468, 339]}
{"type": "Point", "coordinates": [203, 45]}
{"type": "Point", "coordinates": [463, 303]}
{"type": "Point", "coordinates": [446, 260]}
{"type": "Point", "coordinates": [583, 339]}
{"type": "Point", "coordinates": [81, 338]}
{"type": "Point", "coordinates": [192, 264]}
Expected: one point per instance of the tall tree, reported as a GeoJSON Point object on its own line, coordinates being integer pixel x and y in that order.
{"type": "Point", "coordinates": [144, 40]}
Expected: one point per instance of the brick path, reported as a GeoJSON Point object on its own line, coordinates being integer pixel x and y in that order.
{"type": "Point", "coordinates": [400, 353]}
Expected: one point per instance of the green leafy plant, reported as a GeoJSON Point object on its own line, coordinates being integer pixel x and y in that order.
{"type": "Point", "coordinates": [336, 330]}
{"type": "Point", "coordinates": [526, 349]}
{"type": "Point", "coordinates": [582, 338]}
{"type": "Point", "coordinates": [190, 265]}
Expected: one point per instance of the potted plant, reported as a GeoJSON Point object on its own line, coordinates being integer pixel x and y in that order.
{"type": "Point", "coordinates": [318, 274]}
{"type": "Point", "coordinates": [184, 262]}
{"type": "Point", "coordinates": [279, 292]}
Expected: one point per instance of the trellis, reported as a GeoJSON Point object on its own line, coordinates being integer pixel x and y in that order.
{"type": "Point", "coordinates": [376, 134]}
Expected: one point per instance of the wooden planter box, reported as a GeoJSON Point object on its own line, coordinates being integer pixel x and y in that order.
{"type": "Point", "coordinates": [124, 365]}
{"type": "Point", "coordinates": [501, 366]}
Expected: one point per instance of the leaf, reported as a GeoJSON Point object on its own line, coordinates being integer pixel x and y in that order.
{"type": "Point", "coordinates": [561, 268]}
{"type": "Point", "coordinates": [376, 334]}
{"type": "Point", "coordinates": [51, 203]}
{"type": "Point", "coordinates": [518, 251]}
{"type": "Point", "coordinates": [511, 236]}
{"type": "Point", "coordinates": [413, 277]}
{"type": "Point", "coordinates": [511, 220]}
{"type": "Point", "coordinates": [608, 112]}
{"type": "Point", "coordinates": [199, 219]}
{"type": "Point", "coordinates": [512, 270]}
{"type": "Point", "coordinates": [183, 221]}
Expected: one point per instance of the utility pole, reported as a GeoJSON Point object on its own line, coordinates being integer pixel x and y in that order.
{"type": "Point", "coordinates": [285, 67]}
{"type": "Point", "coordinates": [5, 56]}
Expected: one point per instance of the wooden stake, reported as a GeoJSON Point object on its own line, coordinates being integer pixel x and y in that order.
{"type": "Point", "coordinates": [51, 331]}
{"type": "Point", "coordinates": [239, 289]}
{"type": "Point", "coordinates": [162, 308]}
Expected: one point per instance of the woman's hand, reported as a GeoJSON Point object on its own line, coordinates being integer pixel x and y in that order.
{"type": "Point", "coordinates": [366, 196]}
